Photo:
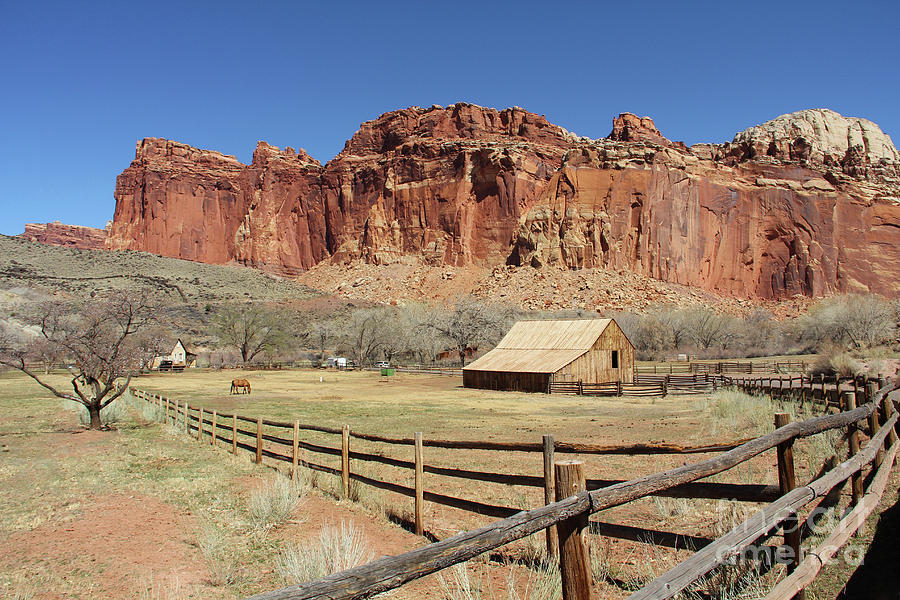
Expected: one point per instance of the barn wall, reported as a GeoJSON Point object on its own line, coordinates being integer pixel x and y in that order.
{"type": "Point", "coordinates": [595, 365]}
{"type": "Point", "coordinates": [498, 380]}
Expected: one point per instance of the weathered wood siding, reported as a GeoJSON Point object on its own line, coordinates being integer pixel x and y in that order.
{"type": "Point", "coordinates": [501, 380]}
{"type": "Point", "coordinates": [595, 365]}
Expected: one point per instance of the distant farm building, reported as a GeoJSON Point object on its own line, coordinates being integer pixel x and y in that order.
{"type": "Point", "coordinates": [179, 358]}
{"type": "Point", "coordinates": [535, 353]}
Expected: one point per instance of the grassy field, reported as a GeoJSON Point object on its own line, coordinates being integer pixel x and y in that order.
{"type": "Point", "coordinates": [134, 512]}
{"type": "Point", "coordinates": [140, 511]}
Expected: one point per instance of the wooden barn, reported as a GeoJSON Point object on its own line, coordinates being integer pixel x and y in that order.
{"type": "Point", "coordinates": [535, 353]}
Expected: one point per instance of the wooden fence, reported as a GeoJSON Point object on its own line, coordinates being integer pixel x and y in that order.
{"type": "Point", "coordinates": [260, 437]}
{"type": "Point", "coordinates": [806, 388]}
{"type": "Point", "coordinates": [722, 367]}
{"type": "Point", "coordinates": [570, 514]}
{"type": "Point", "coordinates": [643, 385]}
{"type": "Point", "coordinates": [425, 370]}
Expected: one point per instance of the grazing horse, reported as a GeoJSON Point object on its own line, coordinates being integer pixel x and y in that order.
{"type": "Point", "coordinates": [240, 386]}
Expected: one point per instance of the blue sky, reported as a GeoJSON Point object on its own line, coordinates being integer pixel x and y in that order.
{"type": "Point", "coordinates": [82, 82]}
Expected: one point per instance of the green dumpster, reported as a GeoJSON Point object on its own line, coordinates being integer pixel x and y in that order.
{"type": "Point", "coordinates": [387, 372]}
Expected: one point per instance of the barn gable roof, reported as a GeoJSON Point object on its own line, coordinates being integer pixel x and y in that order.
{"type": "Point", "coordinates": [541, 346]}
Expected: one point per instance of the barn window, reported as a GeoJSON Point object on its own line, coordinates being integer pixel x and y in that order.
{"type": "Point", "coordinates": [615, 359]}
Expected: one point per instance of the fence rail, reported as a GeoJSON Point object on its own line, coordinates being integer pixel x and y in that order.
{"type": "Point", "coordinates": [280, 441]}
{"type": "Point", "coordinates": [390, 572]}
{"type": "Point", "coordinates": [722, 367]}
{"type": "Point", "coordinates": [643, 386]}
{"type": "Point", "coordinates": [570, 513]}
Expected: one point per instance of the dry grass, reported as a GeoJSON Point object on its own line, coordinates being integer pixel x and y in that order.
{"type": "Point", "coordinates": [335, 549]}
{"type": "Point", "coordinates": [53, 472]}
{"type": "Point", "coordinates": [172, 467]}
{"type": "Point", "coordinates": [275, 499]}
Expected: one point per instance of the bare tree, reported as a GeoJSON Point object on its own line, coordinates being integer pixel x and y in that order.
{"type": "Point", "coordinates": [852, 320]}
{"type": "Point", "coordinates": [102, 338]}
{"type": "Point", "coordinates": [675, 326]}
{"type": "Point", "coordinates": [470, 323]}
{"type": "Point", "coordinates": [362, 333]}
{"type": "Point", "coordinates": [322, 332]}
{"type": "Point", "coordinates": [252, 329]}
{"type": "Point", "coordinates": [708, 328]}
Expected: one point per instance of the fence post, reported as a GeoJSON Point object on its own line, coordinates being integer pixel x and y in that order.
{"type": "Point", "coordinates": [549, 451]}
{"type": "Point", "coordinates": [259, 440]}
{"type": "Point", "coordinates": [166, 418]}
{"type": "Point", "coordinates": [825, 392]}
{"type": "Point", "coordinates": [420, 486]}
{"type": "Point", "coordinates": [345, 460]}
{"type": "Point", "coordinates": [873, 429]}
{"type": "Point", "coordinates": [175, 416]}
{"type": "Point", "coordinates": [853, 442]}
{"type": "Point", "coordinates": [187, 419]}
{"type": "Point", "coordinates": [200, 424]}
{"type": "Point", "coordinates": [295, 458]}
{"type": "Point", "coordinates": [871, 390]}
{"type": "Point", "coordinates": [619, 389]}
{"type": "Point", "coordinates": [888, 407]}
{"type": "Point", "coordinates": [234, 433]}
{"type": "Point", "coordinates": [212, 428]}
{"type": "Point", "coordinates": [580, 388]}
{"type": "Point", "coordinates": [786, 483]}
{"type": "Point", "coordinates": [574, 561]}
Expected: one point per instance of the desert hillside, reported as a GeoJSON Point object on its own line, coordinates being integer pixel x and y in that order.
{"type": "Point", "coordinates": [41, 269]}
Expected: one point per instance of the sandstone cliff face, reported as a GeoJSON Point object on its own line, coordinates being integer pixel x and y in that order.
{"type": "Point", "coordinates": [69, 236]}
{"type": "Point", "coordinates": [445, 186]}
{"type": "Point", "coordinates": [805, 204]}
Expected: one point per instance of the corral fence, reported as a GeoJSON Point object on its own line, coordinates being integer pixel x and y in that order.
{"type": "Point", "coordinates": [574, 503]}
{"type": "Point", "coordinates": [722, 367]}
{"type": "Point", "coordinates": [424, 370]}
{"type": "Point", "coordinates": [642, 386]}
{"type": "Point", "coordinates": [803, 388]}
{"type": "Point", "coordinates": [829, 392]}
{"type": "Point", "coordinates": [565, 519]}
{"type": "Point", "coordinates": [262, 437]}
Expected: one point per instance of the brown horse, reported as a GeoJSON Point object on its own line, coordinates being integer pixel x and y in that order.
{"type": "Point", "coordinates": [240, 386]}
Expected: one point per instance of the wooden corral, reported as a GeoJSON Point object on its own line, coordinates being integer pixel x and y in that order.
{"type": "Point", "coordinates": [536, 353]}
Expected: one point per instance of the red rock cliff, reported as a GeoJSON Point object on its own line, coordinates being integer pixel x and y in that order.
{"type": "Point", "coordinates": [805, 204]}
{"type": "Point", "coordinates": [69, 236]}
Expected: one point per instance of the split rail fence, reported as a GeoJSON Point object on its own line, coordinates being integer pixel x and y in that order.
{"type": "Point", "coordinates": [722, 367]}
{"type": "Point", "coordinates": [575, 502]}
{"type": "Point", "coordinates": [809, 389]}
{"type": "Point", "coordinates": [643, 386]}
{"type": "Point", "coordinates": [254, 434]}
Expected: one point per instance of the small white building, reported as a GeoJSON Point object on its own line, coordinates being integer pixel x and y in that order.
{"type": "Point", "coordinates": [179, 358]}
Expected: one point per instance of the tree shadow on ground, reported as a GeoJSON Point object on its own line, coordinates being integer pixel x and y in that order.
{"type": "Point", "coordinates": [878, 577]}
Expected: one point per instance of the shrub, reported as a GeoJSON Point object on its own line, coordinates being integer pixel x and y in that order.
{"type": "Point", "coordinates": [336, 549]}
{"type": "Point", "coordinates": [832, 360]}
{"type": "Point", "coordinates": [273, 502]}
{"type": "Point", "coordinates": [734, 410]}
{"type": "Point", "coordinates": [116, 412]}
{"type": "Point", "coordinates": [222, 565]}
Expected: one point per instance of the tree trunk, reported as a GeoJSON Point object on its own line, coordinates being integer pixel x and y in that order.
{"type": "Point", "coordinates": [94, 412]}
{"type": "Point", "coordinates": [462, 357]}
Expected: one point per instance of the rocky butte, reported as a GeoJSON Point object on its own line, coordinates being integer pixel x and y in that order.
{"type": "Point", "coordinates": [69, 236]}
{"type": "Point", "coordinates": [808, 203]}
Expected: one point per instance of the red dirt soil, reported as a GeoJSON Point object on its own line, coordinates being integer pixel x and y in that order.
{"type": "Point", "coordinates": [123, 538]}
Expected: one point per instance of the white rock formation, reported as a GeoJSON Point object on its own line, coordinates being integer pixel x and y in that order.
{"type": "Point", "coordinates": [821, 136]}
